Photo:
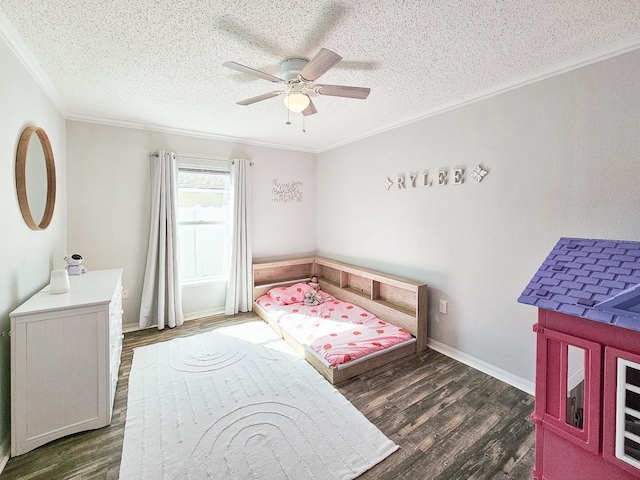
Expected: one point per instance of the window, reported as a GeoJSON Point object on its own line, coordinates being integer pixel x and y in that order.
{"type": "Point", "coordinates": [628, 413]}
{"type": "Point", "coordinates": [575, 386]}
{"type": "Point", "coordinates": [204, 223]}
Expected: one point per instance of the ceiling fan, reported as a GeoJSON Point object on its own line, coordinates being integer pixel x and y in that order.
{"type": "Point", "coordinates": [298, 75]}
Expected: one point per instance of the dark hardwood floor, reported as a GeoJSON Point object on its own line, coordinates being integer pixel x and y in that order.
{"type": "Point", "coordinates": [451, 421]}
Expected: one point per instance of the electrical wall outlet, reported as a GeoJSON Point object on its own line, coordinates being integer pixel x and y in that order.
{"type": "Point", "coordinates": [443, 306]}
{"type": "Point", "coordinates": [125, 293]}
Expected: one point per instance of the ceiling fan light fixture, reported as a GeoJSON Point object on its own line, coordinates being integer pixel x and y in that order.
{"type": "Point", "coordinates": [296, 101]}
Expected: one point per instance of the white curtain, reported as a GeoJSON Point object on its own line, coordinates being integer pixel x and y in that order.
{"type": "Point", "coordinates": [239, 289]}
{"type": "Point", "coordinates": [161, 292]}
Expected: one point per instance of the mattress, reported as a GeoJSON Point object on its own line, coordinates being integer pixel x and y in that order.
{"type": "Point", "coordinates": [336, 332]}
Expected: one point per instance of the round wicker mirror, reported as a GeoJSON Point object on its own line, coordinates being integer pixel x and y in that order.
{"type": "Point", "coordinates": [35, 178]}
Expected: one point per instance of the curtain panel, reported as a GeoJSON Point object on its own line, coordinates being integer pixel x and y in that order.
{"type": "Point", "coordinates": [161, 303]}
{"type": "Point", "coordinates": [239, 289]}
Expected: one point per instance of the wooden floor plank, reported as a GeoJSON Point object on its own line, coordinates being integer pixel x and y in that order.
{"type": "Point", "coordinates": [497, 448]}
{"type": "Point", "coordinates": [450, 421]}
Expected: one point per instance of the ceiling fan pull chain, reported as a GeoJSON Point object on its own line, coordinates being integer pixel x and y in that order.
{"type": "Point", "coordinates": [303, 130]}
{"type": "Point", "coordinates": [288, 121]}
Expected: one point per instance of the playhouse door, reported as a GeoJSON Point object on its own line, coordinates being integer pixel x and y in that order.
{"type": "Point", "coordinates": [568, 387]}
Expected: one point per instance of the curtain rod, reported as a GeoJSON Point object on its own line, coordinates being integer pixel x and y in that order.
{"type": "Point", "coordinates": [155, 154]}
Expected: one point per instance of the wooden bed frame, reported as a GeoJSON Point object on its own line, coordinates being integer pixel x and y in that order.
{"type": "Point", "coordinates": [394, 299]}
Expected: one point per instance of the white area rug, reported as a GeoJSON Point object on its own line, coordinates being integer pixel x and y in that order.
{"type": "Point", "coordinates": [239, 403]}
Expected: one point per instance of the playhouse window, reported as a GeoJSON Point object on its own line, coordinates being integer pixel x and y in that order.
{"type": "Point", "coordinates": [575, 386]}
{"type": "Point", "coordinates": [628, 413]}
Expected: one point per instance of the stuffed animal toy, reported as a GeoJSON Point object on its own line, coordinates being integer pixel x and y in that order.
{"type": "Point", "coordinates": [312, 298]}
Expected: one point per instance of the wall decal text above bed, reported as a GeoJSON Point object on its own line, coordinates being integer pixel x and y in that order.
{"type": "Point", "coordinates": [415, 180]}
{"type": "Point", "coordinates": [286, 192]}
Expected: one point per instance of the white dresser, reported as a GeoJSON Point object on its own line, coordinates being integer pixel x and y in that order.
{"type": "Point", "coordinates": [65, 356]}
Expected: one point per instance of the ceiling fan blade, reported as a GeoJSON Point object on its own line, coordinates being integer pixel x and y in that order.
{"type": "Point", "coordinates": [326, 19]}
{"type": "Point", "coordinates": [247, 37]}
{"type": "Point", "coordinates": [310, 110]}
{"type": "Point", "coordinates": [321, 63]}
{"type": "Point", "coordinates": [343, 91]}
{"type": "Point", "coordinates": [252, 71]}
{"type": "Point", "coordinates": [259, 98]}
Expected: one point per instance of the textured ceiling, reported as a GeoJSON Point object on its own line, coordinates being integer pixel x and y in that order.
{"type": "Point", "coordinates": [159, 62]}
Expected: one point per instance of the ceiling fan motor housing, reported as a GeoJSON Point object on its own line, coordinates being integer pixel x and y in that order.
{"type": "Point", "coordinates": [291, 68]}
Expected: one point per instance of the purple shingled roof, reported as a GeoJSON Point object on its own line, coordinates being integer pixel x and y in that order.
{"type": "Point", "coordinates": [581, 276]}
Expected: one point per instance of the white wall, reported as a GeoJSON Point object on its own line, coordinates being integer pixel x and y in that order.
{"type": "Point", "coordinates": [26, 256]}
{"type": "Point", "coordinates": [109, 190]}
{"type": "Point", "coordinates": [563, 156]}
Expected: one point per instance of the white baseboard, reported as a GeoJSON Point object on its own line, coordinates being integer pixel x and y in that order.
{"type": "Point", "coordinates": [5, 452]}
{"type": "Point", "coordinates": [205, 313]}
{"type": "Point", "coordinates": [130, 327]}
{"type": "Point", "coordinates": [502, 375]}
{"type": "Point", "coordinates": [134, 327]}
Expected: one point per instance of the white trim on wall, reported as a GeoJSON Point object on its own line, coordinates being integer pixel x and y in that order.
{"type": "Point", "coordinates": [539, 75]}
{"type": "Point", "coordinates": [203, 314]}
{"type": "Point", "coordinates": [22, 52]}
{"type": "Point", "coordinates": [9, 33]}
{"type": "Point", "coordinates": [133, 327]}
{"type": "Point", "coordinates": [473, 362]}
{"type": "Point", "coordinates": [112, 122]}
{"type": "Point", "coordinates": [518, 82]}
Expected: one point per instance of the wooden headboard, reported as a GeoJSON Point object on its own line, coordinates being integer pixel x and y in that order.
{"type": "Point", "coordinates": [397, 300]}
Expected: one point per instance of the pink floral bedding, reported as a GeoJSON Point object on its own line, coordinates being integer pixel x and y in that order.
{"type": "Point", "coordinates": [337, 331]}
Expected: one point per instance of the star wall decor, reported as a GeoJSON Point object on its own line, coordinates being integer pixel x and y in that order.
{"type": "Point", "coordinates": [479, 173]}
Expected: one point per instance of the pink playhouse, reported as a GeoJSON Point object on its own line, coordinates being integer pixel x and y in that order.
{"type": "Point", "coordinates": [587, 408]}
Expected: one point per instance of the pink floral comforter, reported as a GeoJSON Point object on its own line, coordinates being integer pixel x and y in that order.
{"type": "Point", "coordinates": [337, 331]}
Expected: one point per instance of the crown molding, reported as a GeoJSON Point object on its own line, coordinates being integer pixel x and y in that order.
{"type": "Point", "coordinates": [22, 52]}
{"type": "Point", "coordinates": [521, 81]}
{"type": "Point", "coordinates": [183, 132]}
{"type": "Point", "coordinates": [12, 38]}
{"type": "Point", "coordinates": [518, 82]}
